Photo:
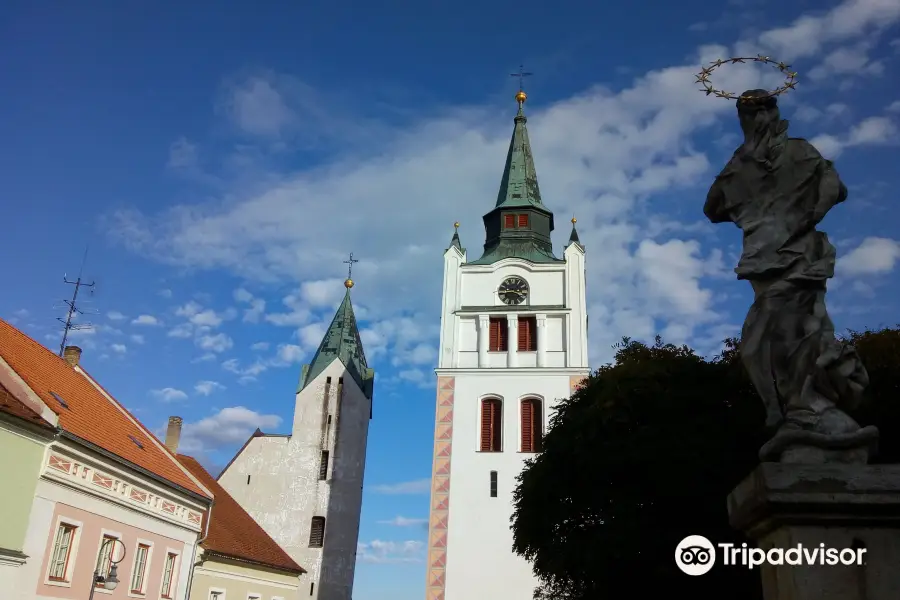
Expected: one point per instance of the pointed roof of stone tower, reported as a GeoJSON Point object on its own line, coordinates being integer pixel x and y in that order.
{"type": "Point", "coordinates": [341, 342]}
{"type": "Point", "coordinates": [573, 237]}
{"type": "Point", "coordinates": [454, 241]}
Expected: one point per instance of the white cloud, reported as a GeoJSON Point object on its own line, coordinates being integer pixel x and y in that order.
{"type": "Point", "coordinates": [400, 521]}
{"type": "Point", "coordinates": [205, 388]}
{"type": "Point", "coordinates": [385, 552]}
{"type": "Point", "coordinates": [873, 256]}
{"type": "Point", "coordinates": [874, 130]}
{"type": "Point", "coordinates": [182, 154]}
{"type": "Point", "coordinates": [257, 305]}
{"type": "Point", "coordinates": [242, 295]}
{"type": "Point", "coordinates": [311, 335]}
{"type": "Point", "coordinates": [169, 394]}
{"type": "Point", "coordinates": [119, 348]}
{"type": "Point", "coordinates": [188, 310]}
{"type": "Point", "coordinates": [206, 318]}
{"type": "Point", "coordinates": [612, 157]}
{"type": "Point", "coordinates": [214, 343]}
{"type": "Point", "coordinates": [225, 429]}
{"type": "Point", "coordinates": [115, 315]}
{"type": "Point", "coordinates": [894, 106]}
{"type": "Point", "coordinates": [146, 320]}
{"type": "Point", "coordinates": [256, 107]}
{"type": "Point", "coordinates": [260, 346]}
{"type": "Point", "coordinates": [418, 486]}
{"type": "Point", "coordinates": [137, 338]}
{"type": "Point", "coordinates": [289, 354]}
{"type": "Point", "coordinates": [182, 330]}
{"type": "Point", "coordinates": [165, 293]}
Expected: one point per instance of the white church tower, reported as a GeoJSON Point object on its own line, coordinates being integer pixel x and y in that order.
{"type": "Point", "coordinates": [305, 488]}
{"type": "Point", "coordinates": [513, 342]}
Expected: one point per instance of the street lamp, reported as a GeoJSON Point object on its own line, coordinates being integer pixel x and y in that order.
{"type": "Point", "coordinates": [110, 580]}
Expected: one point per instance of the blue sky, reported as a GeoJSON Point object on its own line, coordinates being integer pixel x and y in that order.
{"type": "Point", "coordinates": [222, 159]}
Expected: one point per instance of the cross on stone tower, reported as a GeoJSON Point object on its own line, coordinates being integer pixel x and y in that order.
{"type": "Point", "coordinates": [521, 75]}
{"type": "Point", "coordinates": [349, 264]}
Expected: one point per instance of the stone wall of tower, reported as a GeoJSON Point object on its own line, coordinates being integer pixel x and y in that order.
{"type": "Point", "coordinates": [284, 490]}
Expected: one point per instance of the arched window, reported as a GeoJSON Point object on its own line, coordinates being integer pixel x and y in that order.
{"type": "Point", "coordinates": [532, 424]}
{"type": "Point", "coordinates": [491, 425]}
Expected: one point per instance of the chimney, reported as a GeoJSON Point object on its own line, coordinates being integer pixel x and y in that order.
{"type": "Point", "coordinates": [173, 434]}
{"type": "Point", "coordinates": [72, 354]}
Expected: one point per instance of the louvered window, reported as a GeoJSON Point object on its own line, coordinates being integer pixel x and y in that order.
{"type": "Point", "coordinates": [493, 484]}
{"type": "Point", "coordinates": [527, 334]}
{"type": "Point", "coordinates": [532, 425]}
{"type": "Point", "coordinates": [499, 335]}
{"type": "Point", "coordinates": [323, 466]}
{"type": "Point", "coordinates": [491, 425]}
{"type": "Point", "coordinates": [317, 532]}
{"type": "Point", "coordinates": [509, 221]}
{"type": "Point", "coordinates": [523, 220]}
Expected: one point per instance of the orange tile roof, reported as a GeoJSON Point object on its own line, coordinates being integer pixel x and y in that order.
{"type": "Point", "coordinates": [233, 532]}
{"type": "Point", "coordinates": [90, 415]}
{"type": "Point", "coordinates": [15, 407]}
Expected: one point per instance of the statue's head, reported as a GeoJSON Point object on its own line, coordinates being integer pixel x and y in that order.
{"type": "Point", "coordinates": [757, 109]}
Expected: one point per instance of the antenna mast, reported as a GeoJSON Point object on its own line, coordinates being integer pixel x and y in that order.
{"type": "Point", "coordinates": [73, 309]}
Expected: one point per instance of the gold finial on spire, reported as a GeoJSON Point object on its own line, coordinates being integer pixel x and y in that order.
{"type": "Point", "coordinates": [574, 220]}
{"type": "Point", "coordinates": [521, 96]}
{"type": "Point", "coordinates": [349, 282]}
{"type": "Point", "coordinates": [456, 225]}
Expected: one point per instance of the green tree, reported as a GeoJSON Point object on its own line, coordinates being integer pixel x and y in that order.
{"type": "Point", "coordinates": [646, 453]}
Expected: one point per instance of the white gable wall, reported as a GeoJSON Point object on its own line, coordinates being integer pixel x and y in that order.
{"type": "Point", "coordinates": [285, 492]}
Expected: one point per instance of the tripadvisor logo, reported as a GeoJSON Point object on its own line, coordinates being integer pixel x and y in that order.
{"type": "Point", "coordinates": [696, 555]}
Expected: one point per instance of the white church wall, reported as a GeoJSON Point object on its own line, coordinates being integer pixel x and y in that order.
{"type": "Point", "coordinates": [290, 492]}
{"type": "Point", "coordinates": [479, 283]}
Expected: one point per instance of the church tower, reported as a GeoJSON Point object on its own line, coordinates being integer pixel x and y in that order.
{"type": "Point", "coordinates": [305, 488]}
{"type": "Point", "coordinates": [513, 342]}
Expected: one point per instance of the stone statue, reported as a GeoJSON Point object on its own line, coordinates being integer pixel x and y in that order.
{"type": "Point", "coordinates": [776, 189]}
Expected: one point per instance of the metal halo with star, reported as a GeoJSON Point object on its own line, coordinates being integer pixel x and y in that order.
{"type": "Point", "coordinates": [703, 78]}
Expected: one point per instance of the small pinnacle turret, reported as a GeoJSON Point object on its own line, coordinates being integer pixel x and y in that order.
{"type": "Point", "coordinates": [454, 241]}
{"type": "Point", "coordinates": [573, 237]}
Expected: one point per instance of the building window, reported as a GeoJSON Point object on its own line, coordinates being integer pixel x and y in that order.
{"type": "Point", "coordinates": [104, 560]}
{"type": "Point", "coordinates": [532, 425]}
{"type": "Point", "coordinates": [168, 575]}
{"type": "Point", "coordinates": [523, 220]}
{"type": "Point", "coordinates": [317, 532]}
{"type": "Point", "coordinates": [62, 551]}
{"type": "Point", "coordinates": [493, 484]}
{"type": "Point", "coordinates": [216, 595]}
{"type": "Point", "coordinates": [509, 221]}
{"type": "Point", "coordinates": [527, 334]}
{"type": "Point", "coordinates": [140, 568]}
{"type": "Point", "coordinates": [491, 425]}
{"type": "Point", "coordinates": [323, 466]}
{"type": "Point", "coordinates": [499, 335]}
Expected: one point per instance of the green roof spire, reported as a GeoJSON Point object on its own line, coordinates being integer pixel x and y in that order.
{"type": "Point", "coordinates": [520, 225]}
{"type": "Point", "coordinates": [341, 341]}
{"type": "Point", "coordinates": [519, 185]}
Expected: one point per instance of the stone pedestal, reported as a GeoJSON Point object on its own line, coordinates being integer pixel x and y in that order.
{"type": "Point", "coordinates": [839, 506]}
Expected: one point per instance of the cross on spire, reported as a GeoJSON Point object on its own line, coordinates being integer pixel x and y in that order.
{"type": "Point", "coordinates": [521, 75]}
{"type": "Point", "coordinates": [349, 264]}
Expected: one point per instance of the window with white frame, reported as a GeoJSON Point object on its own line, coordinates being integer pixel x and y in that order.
{"type": "Point", "coordinates": [104, 557]}
{"type": "Point", "coordinates": [140, 568]}
{"type": "Point", "coordinates": [62, 552]}
{"type": "Point", "coordinates": [165, 590]}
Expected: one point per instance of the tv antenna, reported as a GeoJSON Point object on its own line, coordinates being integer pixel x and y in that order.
{"type": "Point", "coordinates": [74, 311]}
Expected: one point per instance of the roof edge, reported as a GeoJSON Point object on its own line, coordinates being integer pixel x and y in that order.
{"type": "Point", "coordinates": [153, 439]}
{"type": "Point", "coordinates": [255, 434]}
{"type": "Point", "coordinates": [299, 570]}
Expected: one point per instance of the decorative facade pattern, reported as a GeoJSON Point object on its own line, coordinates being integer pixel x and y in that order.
{"type": "Point", "coordinates": [109, 485]}
{"type": "Point", "coordinates": [440, 490]}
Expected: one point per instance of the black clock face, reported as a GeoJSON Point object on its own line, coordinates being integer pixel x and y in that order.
{"type": "Point", "coordinates": [513, 290]}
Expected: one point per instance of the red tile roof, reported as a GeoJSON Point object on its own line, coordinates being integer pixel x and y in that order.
{"type": "Point", "coordinates": [90, 415]}
{"type": "Point", "coordinates": [234, 533]}
{"type": "Point", "coordinates": [15, 407]}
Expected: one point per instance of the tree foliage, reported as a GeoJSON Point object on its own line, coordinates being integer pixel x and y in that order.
{"type": "Point", "coordinates": [646, 453]}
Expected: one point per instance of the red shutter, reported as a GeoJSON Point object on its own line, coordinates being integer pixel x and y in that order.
{"type": "Point", "coordinates": [509, 221]}
{"type": "Point", "coordinates": [527, 426]}
{"type": "Point", "coordinates": [527, 337]}
{"type": "Point", "coordinates": [537, 425]}
{"type": "Point", "coordinates": [490, 425]}
{"type": "Point", "coordinates": [499, 335]}
{"type": "Point", "coordinates": [503, 335]}
{"type": "Point", "coordinates": [523, 220]}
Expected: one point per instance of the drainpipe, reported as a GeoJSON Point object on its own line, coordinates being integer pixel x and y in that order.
{"type": "Point", "coordinates": [194, 562]}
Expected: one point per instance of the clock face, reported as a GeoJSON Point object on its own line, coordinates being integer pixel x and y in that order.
{"type": "Point", "coordinates": [513, 290]}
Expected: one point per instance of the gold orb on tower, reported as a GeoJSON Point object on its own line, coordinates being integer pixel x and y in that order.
{"type": "Point", "coordinates": [348, 284]}
{"type": "Point", "coordinates": [521, 97]}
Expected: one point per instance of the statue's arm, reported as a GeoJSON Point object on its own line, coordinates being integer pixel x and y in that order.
{"type": "Point", "coordinates": [832, 190]}
{"type": "Point", "coordinates": [716, 207]}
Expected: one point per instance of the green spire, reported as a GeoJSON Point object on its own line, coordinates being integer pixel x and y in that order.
{"type": "Point", "coordinates": [341, 341]}
{"type": "Point", "coordinates": [519, 185]}
{"type": "Point", "coordinates": [520, 225]}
